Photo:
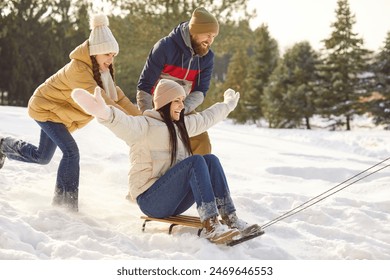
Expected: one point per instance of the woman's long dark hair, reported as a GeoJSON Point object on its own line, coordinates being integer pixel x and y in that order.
{"type": "Point", "coordinates": [96, 72]}
{"type": "Point", "coordinates": [165, 113]}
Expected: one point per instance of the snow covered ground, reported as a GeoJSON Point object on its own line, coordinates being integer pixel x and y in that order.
{"type": "Point", "coordinates": [269, 172]}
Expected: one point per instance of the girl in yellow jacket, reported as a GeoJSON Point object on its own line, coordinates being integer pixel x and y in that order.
{"type": "Point", "coordinates": [52, 107]}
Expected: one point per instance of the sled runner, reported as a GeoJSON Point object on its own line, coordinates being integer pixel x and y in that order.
{"type": "Point", "coordinates": [245, 238]}
{"type": "Point", "coordinates": [179, 220]}
{"type": "Point", "coordinates": [192, 221]}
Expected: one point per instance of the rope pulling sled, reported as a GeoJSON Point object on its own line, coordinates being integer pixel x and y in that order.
{"type": "Point", "coordinates": [192, 221]}
{"type": "Point", "coordinates": [328, 193]}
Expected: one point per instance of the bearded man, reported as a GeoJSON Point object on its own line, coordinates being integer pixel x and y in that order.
{"type": "Point", "coordinates": [185, 57]}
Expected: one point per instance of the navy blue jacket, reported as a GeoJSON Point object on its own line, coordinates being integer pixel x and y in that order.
{"type": "Point", "coordinates": [174, 56]}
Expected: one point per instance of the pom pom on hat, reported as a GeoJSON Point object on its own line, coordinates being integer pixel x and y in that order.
{"type": "Point", "coordinates": [203, 22]}
{"type": "Point", "coordinates": [101, 40]}
{"type": "Point", "coordinates": [98, 20]}
{"type": "Point", "coordinates": [166, 91]}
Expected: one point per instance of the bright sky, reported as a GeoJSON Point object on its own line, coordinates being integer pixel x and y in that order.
{"type": "Point", "coordinates": [292, 21]}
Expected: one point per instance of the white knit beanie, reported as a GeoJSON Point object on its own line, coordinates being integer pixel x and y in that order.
{"type": "Point", "coordinates": [166, 91]}
{"type": "Point", "coordinates": [101, 40]}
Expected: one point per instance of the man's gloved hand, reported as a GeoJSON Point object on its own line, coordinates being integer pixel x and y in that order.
{"type": "Point", "coordinates": [192, 101]}
{"type": "Point", "coordinates": [144, 100]}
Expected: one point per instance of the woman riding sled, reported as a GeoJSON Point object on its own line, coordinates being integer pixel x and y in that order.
{"type": "Point", "coordinates": [165, 178]}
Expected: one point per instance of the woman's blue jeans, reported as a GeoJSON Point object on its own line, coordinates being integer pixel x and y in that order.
{"type": "Point", "coordinates": [196, 179]}
{"type": "Point", "coordinates": [52, 135]}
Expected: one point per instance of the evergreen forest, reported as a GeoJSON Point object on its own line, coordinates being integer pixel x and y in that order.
{"type": "Point", "coordinates": [283, 90]}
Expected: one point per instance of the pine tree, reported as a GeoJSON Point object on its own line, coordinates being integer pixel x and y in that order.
{"type": "Point", "coordinates": [273, 101]}
{"type": "Point", "coordinates": [263, 62]}
{"type": "Point", "coordinates": [289, 97]}
{"type": "Point", "coordinates": [36, 37]}
{"type": "Point", "coordinates": [22, 36]}
{"type": "Point", "coordinates": [235, 79]}
{"type": "Point", "coordinates": [380, 107]}
{"type": "Point", "coordinates": [301, 61]}
{"type": "Point", "coordinates": [344, 65]}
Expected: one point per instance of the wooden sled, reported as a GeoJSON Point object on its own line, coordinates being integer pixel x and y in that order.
{"type": "Point", "coordinates": [192, 221]}
{"type": "Point", "coordinates": [179, 220]}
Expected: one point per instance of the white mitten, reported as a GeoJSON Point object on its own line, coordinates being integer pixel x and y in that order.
{"type": "Point", "coordinates": [92, 104]}
{"type": "Point", "coordinates": [230, 97]}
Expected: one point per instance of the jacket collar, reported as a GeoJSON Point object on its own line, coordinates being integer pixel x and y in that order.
{"type": "Point", "coordinates": [185, 34]}
{"type": "Point", "coordinates": [82, 53]}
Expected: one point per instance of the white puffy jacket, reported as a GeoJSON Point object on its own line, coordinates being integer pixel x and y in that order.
{"type": "Point", "coordinates": [148, 139]}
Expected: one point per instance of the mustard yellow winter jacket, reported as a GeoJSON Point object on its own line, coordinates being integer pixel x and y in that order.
{"type": "Point", "coordinates": [51, 101]}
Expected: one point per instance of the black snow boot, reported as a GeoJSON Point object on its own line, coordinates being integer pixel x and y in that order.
{"type": "Point", "coordinates": [71, 200]}
{"type": "Point", "coordinates": [58, 198]}
{"type": "Point", "coordinates": [2, 155]}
